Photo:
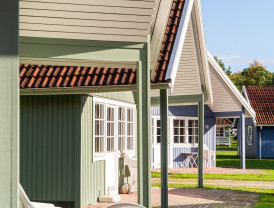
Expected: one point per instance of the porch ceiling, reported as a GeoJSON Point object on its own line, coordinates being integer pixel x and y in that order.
{"type": "Point", "coordinates": [107, 20]}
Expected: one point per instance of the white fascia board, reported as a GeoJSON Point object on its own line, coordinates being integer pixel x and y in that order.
{"type": "Point", "coordinates": [158, 31]}
{"type": "Point", "coordinates": [204, 71]}
{"type": "Point", "coordinates": [245, 94]}
{"type": "Point", "coordinates": [179, 42]}
{"type": "Point", "coordinates": [226, 80]}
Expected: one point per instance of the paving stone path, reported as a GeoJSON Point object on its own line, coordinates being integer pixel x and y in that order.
{"type": "Point", "coordinates": [214, 171]}
{"type": "Point", "coordinates": [223, 183]}
{"type": "Point", "coordinates": [196, 198]}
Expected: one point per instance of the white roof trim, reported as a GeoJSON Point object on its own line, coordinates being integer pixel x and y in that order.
{"type": "Point", "coordinates": [245, 94]}
{"type": "Point", "coordinates": [179, 42]}
{"type": "Point", "coordinates": [204, 71]}
{"type": "Point", "coordinates": [226, 80]}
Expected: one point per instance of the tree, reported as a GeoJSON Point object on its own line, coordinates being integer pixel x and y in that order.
{"type": "Point", "coordinates": [255, 75]}
{"type": "Point", "coordinates": [222, 65]}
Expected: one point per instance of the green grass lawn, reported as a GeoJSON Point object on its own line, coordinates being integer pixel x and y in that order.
{"type": "Point", "coordinates": [231, 160]}
{"type": "Point", "coordinates": [233, 146]}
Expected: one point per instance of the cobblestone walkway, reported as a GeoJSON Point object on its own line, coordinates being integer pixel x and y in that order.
{"type": "Point", "coordinates": [214, 171]}
{"type": "Point", "coordinates": [196, 198]}
{"type": "Point", "coordinates": [223, 183]}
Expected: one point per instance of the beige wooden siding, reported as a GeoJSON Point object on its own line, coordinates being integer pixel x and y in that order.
{"type": "Point", "coordinates": [187, 78]}
{"type": "Point", "coordinates": [119, 20]}
{"type": "Point", "coordinates": [223, 101]}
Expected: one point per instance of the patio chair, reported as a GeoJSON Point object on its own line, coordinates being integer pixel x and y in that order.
{"type": "Point", "coordinates": [125, 205]}
{"type": "Point", "coordinates": [26, 203]}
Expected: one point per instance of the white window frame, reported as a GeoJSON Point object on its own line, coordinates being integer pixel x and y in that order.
{"type": "Point", "coordinates": [110, 122]}
{"type": "Point", "coordinates": [249, 136]}
{"type": "Point", "coordinates": [226, 129]}
{"type": "Point", "coordinates": [171, 118]}
{"type": "Point", "coordinates": [104, 132]}
{"type": "Point", "coordinates": [114, 104]}
{"type": "Point", "coordinates": [130, 136]}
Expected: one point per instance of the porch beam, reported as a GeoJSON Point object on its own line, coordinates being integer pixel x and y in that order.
{"type": "Point", "coordinates": [87, 90]}
{"type": "Point", "coordinates": [9, 103]}
{"type": "Point", "coordinates": [164, 146]}
{"type": "Point", "coordinates": [180, 99]}
{"type": "Point", "coordinates": [243, 165]}
{"type": "Point", "coordinates": [201, 141]}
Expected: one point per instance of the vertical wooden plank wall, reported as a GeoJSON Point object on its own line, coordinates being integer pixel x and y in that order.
{"type": "Point", "coordinates": [92, 174]}
{"type": "Point", "coordinates": [48, 148]}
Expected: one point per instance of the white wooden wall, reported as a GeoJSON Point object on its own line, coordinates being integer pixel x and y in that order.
{"type": "Point", "coordinates": [111, 20]}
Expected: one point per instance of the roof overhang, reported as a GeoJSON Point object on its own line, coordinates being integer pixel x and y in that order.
{"type": "Point", "coordinates": [232, 88]}
{"type": "Point", "coordinates": [192, 10]}
{"type": "Point", "coordinates": [87, 90]}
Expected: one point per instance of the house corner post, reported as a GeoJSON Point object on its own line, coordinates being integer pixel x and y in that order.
{"type": "Point", "coordinates": [164, 146]}
{"type": "Point", "coordinates": [201, 141]}
{"type": "Point", "coordinates": [9, 103]}
{"type": "Point", "coordinates": [139, 133]}
{"type": "Point", "coordinates": [243, 139]}
{"type": "Point", "coordinates": [146, 121]}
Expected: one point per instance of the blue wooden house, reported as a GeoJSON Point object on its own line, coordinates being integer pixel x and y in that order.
{"type": "Point", "coordinates": [260, 131]}
{"type": "Point", "coordinates": [228, 102]}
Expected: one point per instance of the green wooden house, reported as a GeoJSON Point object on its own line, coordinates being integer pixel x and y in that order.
{"type": "Point", "coordinates": [87, 73]}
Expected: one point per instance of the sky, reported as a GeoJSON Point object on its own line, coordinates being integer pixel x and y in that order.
{"type": "Point", "coordinates": [239, 31]}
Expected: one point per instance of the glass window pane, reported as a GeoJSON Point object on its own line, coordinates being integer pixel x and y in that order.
{"type": "Point", "coordinates": [101, 115]}
{"type": "Point", "coordinates": [196, 139]}
{"type": "Point", "coordinates": [176, 123]}
{"type": "Point", "coordinates": [182, 139]}
{"type": "Point", "coordinates": [182, 131]}
{"type": "Point", "coordinates": [97, 111]}
{"type": "Point", "coordinates": [190, 139]}
{"type": "Point", "coordinates": [97, 127]}
{"type": "Point", "coordinates": [158, 131]}
{"type": "Point", "coordinates": [176, 131]}
{"type": "Point", "coordinates": [176, 139]}
{"type": "Point", "coordinates": [182, 123]}
{"type": "Point", "coordinates": [158, 124]}
{"type": "Point", "coordinates": [158, 139]}
{"type": "Point", "coordinates": [196, 123]}
{"type": "Point", "coordinates": [190, 131]}
{"type": "Point", "coordinates": [190, 123]}
{"type": "Point", "coordinates": [196, 131]}
{"type": "Point", "coordinates": [101, 128]}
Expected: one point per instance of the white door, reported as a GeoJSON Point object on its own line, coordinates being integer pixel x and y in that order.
{"type": "Point", "coordinates": [111, 156]}
{"type": "Point", "coordinates": [156, 138]}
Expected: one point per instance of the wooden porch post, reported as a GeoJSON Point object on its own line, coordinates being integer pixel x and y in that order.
{"type": "Point", "coordinates": [144, 137]}
{"type": "Point", "coordinates": [9, 103]}
{"type": "Point", "coordinates": [164, 146]}
{"type": "Point", "coordinates": [243, 138]}
{"type": "Point", "coordinates": [201, 141]}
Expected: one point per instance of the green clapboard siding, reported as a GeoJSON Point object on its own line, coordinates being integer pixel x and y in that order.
{"type": "Point", "coordinates": [50, 146]}
{"type": "Point", "coordinates": [92, 174]}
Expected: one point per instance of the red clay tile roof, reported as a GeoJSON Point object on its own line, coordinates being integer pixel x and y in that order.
{"type": "Point", "coordinates": [169, 40]}
{"type": "Point", "coordinates": [40, 76]}
{"type": "Point", "coordinates": [223, 121]}
{"type": "Point", "coordinates": [262, 101]}
{"type": "Point", "coordinates": [43, 76]}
